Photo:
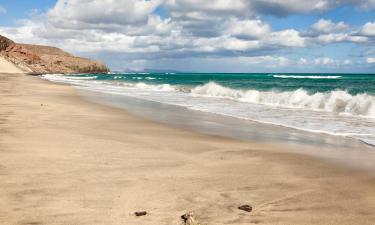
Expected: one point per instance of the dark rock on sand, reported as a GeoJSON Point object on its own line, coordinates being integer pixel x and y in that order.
{"type": "Point", "coordinates": [140, 213]}
{"type": "Point", "coordinates": [189, 219]}
{"type": "Point", "coordinates": [246, 208]}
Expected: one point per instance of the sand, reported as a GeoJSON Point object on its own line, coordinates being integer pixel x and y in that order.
{"type": "Point", "coordinates": [66, 161]}
{"type": "Point", "coordinates": [8, 67]}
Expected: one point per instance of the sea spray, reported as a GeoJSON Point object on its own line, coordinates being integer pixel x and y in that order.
{"type": "Point", "coordinates": [333, 101]}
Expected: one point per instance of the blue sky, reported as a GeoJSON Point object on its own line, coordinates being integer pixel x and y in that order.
{"type": "Point", "coordinates": [198, 35]}
{"type": "Point", "coordinates": [21, 9]}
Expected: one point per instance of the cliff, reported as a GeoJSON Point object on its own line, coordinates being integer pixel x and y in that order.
{"type": "Point", "coordinates": [45, 59]}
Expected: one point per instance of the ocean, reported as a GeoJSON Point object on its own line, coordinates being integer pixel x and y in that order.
{"type": "Point", "coordinates": [334, 104]}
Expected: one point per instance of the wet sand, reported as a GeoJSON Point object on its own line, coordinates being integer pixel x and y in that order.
{"type": "Point", "coordinates": [64, 160]}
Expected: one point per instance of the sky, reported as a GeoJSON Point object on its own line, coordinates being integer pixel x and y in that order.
{"type": "Point", "coordinates": [309, 36]}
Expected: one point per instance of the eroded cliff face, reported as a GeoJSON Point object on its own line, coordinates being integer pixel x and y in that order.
{"type": "Point", "coordinates": [45, 59]}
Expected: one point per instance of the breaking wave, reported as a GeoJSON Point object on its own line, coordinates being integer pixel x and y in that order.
{"type": "Point", "coordinates": [306, 77]}
{"type": "Point", "coordinates": [155, 87]}
{"type": "Point", "coordinates": [337, 101]}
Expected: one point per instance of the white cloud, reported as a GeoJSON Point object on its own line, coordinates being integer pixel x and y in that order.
{"type": "Point", "coordinates": [246, 28]}
{"type": "Point", "coordinates": [327, 61]}
{"type": "Point", "coordinates": [368, 29]}
{"type": "Point", "coordinates": [370, 60]}
{"type": "Point", "coordinates": [327, 26]}
{"type": "Point", "coordinates": [327, 32]}
{"type": "Point", "coordinates": [290, 38]}
{"type": "Point", "coordinates": [347, 62]}
{"type": "Point", "coordinates": [238, 45]}
{"type": "Point", "coordinates": [195, 27]}
{"type": "Point", "coordinates": [341, 37]}
{"type": "Point", "coordinates": [213, 6]}
{"type": "Point", "coordinates": [302, 61]}
{"type": "Point", "coordinates": [74, 13]}
{"type": "Point", "coordinates": [188, 28]}
{"type": "Point", "coordinates": [268, 61]}
{"type": "Point", "coordinates": [324, 61]}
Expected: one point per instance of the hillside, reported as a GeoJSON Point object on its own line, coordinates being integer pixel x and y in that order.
{"type": "Point", "coordinates": [45, 59]}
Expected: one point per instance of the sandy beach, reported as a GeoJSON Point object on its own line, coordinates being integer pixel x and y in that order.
{"type": "Point", "coordinates": [65, 161]}
{"type": "Point", "coordinates": [8, 67]}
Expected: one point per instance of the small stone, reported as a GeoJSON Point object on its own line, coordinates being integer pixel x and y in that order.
{"type": "Point", "coordinates": [186, 217]}
{"type": "Point", "coordinates": [140, 213]}
{"type": "Point", "coordinates": [246, 208]}
{"type": "Point", "coordinates": [189, 219]}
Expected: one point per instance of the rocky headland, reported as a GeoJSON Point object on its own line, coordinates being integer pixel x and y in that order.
{"type": "Point", "coordinates": [37, 59]}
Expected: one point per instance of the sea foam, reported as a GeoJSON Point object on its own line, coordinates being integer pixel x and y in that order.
{"type": "Point", "coordinates": [338, 101]}
{"type": "Point", "coordinates": [335, 112]}
{"type": "Point", "coordinates": [306, 77]}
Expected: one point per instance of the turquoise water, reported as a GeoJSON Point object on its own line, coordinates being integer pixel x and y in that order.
{"type": "Point", "coordinates": [335, 104]}
{"type": "Point", "coordinates": [353, 83]}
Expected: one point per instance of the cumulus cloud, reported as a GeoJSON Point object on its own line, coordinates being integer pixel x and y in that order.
{"type": "Point", "coordinates": [80, 13]}
{"type": "Point", "coordinates": [327, 61]}
{"type": "Point", "coordinates": [270, 61]}
{"type": "Point", "coordinates": [327, 26]}
{"type": "Point", "coordinates": [289, 38]}
{"type": "Point", "coordinates": [246, 28]}
{"type": "Point", "coordinates": [283, 8]}
{"type": "Point", "coordinates": [368, 29]}
{"type": "Point", "coordinates": [266, 61]}
{"type": "Point", "coordinates": [134, 30]}
{"type": "Point", "coordinates": [192, 27]}
{"type": "Point", "coordinates": [326, 32]}
{"type": "Point", "coordinates": [370, 60]}
{"type": "Point", "coordinates": [341, 37]}
{"type": "Point", "coordinates": [324, 61]}
{"type": "Point", "coordinates": [196, 8]}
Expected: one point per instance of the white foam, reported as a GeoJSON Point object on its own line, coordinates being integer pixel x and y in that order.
{"type": "Point", "coordinates": [62, 78]}
{"type": "Point", "coordinates": [306, 77]}
{"type": "Point", "coordinates": [334, 101]}
{"type": "Point", "coordinates": [334, 112]}
{"type": "Point", "coordinates": [155, 87]}
{"type": "Point", "coordinates": [368, 141]}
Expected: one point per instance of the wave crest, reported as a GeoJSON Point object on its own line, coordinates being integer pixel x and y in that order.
{"type": "Point", "coordinates": [155, 87]}
{"type": "Point", "coordinates": [306, 77]}
{"type": "Point", "coordinates": [338, 101]}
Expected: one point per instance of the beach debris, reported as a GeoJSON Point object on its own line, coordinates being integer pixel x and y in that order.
{"type": "Point", "coordinates": [247, 208]}
{"type": "Point", "coordinates": [140, 213]}
{"type": "Point", "coordinates": [189, 219]}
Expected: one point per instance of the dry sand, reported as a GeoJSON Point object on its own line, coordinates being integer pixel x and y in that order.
{"type": "Point", "coordinates": [65, 161]}
{"type": "Point", "coordinates": [8, 67]}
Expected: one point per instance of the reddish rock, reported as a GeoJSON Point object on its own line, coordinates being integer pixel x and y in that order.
{"type": "Point", "coordinates": [45, 59]}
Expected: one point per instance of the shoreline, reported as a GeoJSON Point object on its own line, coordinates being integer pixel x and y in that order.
{"type": "Point", "coordinates": [64, 160]}
{"type": "Point", "coordinates": [339, 112]}
{"type": "Point", "coordinates": [342, 150]}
